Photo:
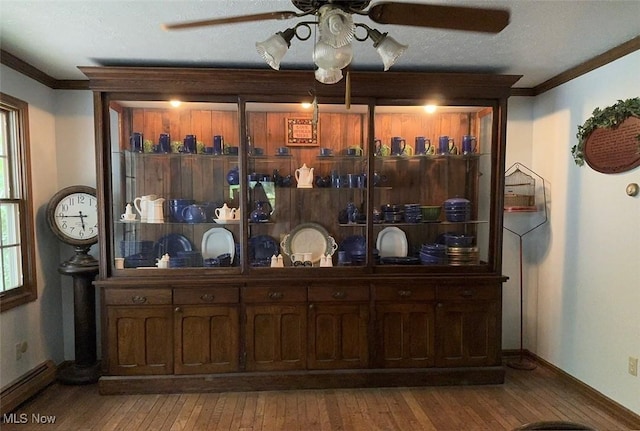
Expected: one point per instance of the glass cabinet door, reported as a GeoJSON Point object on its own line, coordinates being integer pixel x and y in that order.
{"type": "Point", "coordinates": [431, 203]}
{"type": "Point", "coordinates": [307, 184]}
{"type": "Point", "coordinates": [175, 185]}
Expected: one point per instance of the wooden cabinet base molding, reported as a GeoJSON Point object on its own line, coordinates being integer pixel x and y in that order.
{"type": "Point", "coordinates": [274, 381]}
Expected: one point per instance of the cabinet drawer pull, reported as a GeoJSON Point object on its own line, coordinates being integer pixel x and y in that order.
{"type": "Point", "coordinates": [208, 297]}
{"type": "Point", "coordinates": [178, 310]}
{"type": "Point", "coordinates": [276, 295]}
{"type": "Point", "coordinates": [404, 293]}
{"type": "Point", "coordinates": [137, 299]}
{"type": "Point", "coordinates": [466, 293]}
{"type": "Point", "coordinates": [339, 294]}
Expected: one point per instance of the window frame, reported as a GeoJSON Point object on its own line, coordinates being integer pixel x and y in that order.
{"type": "Point", "coordinates": [28, 292]}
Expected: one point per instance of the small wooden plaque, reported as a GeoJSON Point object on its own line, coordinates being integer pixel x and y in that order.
{"type": "Point", "coordinates": [301, 132]}
{"type": "Point", "coordinates": [615, 150]}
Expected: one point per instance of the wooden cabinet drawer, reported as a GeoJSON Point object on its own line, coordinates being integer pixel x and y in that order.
{"type": "Point", "coordinates": [338, 293]}
{"type": "Point", "coordinates": [212, 295]}
{"type": "Point", "coordinates": [404, 293]}
{"type": "Point", "coordinates": [468, 292]}
{"type": "Point", "coordinates": [275, 294]}
{"type": "Point", "coordinates": [137, 296]}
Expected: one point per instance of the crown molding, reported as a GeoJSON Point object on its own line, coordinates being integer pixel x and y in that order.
{"type": "Point", "coordinates": [36, 74]}
{"type": "Point", "coordinates": [589, 65]}
{"type": "Point", "coordinates": [609, 56]}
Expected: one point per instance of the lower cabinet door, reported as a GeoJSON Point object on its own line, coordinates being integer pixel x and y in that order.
{"type": "Point", "coordinates": [405, 334]}
{"type": "Point", "coordinates": [338, 336]}
{"type": "Point", "coordinates": [140, 340]}
{"type": "Point", "coordinates": [206, 339]}
{"type": "Point", "coordinates": [468, 334]}
{"type": "Point", "coordinates": [276, 337]}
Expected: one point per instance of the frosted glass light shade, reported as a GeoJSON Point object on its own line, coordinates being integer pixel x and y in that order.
{"type": "Point", "coordinates": [273, 50]}
{"type": "Point", "coordinates": [336, 26]}
{"type": "Point", "coordinates": [389, 51]}
{"type": "Point", "coordinates": [328, 76]}
{"type": "Point", "coordinates": [327, 57]}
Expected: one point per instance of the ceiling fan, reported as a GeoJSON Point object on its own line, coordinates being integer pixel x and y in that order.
{"type": "Point", "coordinates": [332, 51]}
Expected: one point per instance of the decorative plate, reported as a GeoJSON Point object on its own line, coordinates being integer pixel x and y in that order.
{"type": "Point", "coordinates": [171, 244]}
{"type": "Point", "coordinates": [392, 242]}
{"type": "Point", "coordinates": [309, 238]}
{"type": "Point", "coordinates": [217, 241]}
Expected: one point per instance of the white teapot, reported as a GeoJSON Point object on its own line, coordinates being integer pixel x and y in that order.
{"type": "Point", "coordinates": [304, 177]}
{"type": "Point", "coordinates": [225, 213]}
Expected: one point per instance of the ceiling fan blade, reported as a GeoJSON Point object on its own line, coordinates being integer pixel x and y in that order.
{"type": "Point", "coordinates": [439, 16]}
{"type": "Point", "coordinates": [232, 20]}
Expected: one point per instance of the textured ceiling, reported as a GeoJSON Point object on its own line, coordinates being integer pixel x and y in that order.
{"type": "Point", "coordinates": [543, 39]}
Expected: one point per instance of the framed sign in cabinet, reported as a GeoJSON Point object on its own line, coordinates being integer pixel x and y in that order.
{"type": "Point", "coordinates": [386, 212]}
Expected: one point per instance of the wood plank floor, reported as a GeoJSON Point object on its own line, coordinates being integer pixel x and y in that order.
{"type": "Point", "coordinates": [527, 396]}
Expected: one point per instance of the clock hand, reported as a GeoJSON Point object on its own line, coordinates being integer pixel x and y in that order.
{"type": "Point", "coordinates": [81, 218]}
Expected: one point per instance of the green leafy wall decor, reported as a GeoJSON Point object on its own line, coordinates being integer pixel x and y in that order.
{"type": "Point", "coordinates": [607, 118]}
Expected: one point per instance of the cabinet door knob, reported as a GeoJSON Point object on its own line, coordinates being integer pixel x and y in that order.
{"type": "Point", "coordinates": [137, 299]}
{"type": "Point", "coordinates": [404, 293]}
{"type": "Point", "coordinates": [178, 310]}
{"type": "Point", "coordinates": [439, 305]}
{"type": "Point", "coordinates": [275, 295]}
{"type": "Point", "coordinates": [208, 297]}
{"type": "Point", "coordinates": [466, 293]}
{"type": "Point", "coordinates": [340, 294]}
{"type": "Point", "coordinates": [312, 306]}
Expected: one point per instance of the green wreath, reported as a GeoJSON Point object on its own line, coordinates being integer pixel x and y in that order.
{"type": "Point", "coordinates": [607, 118]}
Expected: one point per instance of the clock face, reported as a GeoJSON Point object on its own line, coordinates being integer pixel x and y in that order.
{"type": "Point", "coordinates": [73, 216]}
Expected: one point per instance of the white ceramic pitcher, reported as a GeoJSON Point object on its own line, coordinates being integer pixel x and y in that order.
{"type": "Point", "coordinates": [142, 206]}
{"type": "Point", "coordinates": [155, 211]}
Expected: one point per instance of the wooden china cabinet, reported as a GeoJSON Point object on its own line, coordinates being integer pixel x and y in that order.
{"type": "Point", "coordinates": [374, 289]}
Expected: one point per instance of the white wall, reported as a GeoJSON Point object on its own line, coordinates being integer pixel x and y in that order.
{"type": "Point", "coordinates": [585, 294]}
{"type": "Point", "coordinates": [519, 145]}
{"type": "Point", "coordinates": [39, 323]}
{"type": "Point", "coordinates": [62, 154]}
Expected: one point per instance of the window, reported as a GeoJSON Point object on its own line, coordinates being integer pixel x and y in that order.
{"type": "Point", "coordinates": [17, 245]}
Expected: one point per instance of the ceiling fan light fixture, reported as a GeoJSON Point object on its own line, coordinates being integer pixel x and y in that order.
{"type": "Point", "coordinates": [275, 48]}
{"type": "Point", "coordinates": [327, 57]}
{"type": "Point", "coordinates": [328, 76]}
{"type": "Point", "coordinates": [389, 50]}
{"type": "Point", "coordinates": [336, 26]}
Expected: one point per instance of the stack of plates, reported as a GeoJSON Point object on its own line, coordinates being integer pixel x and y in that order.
{"type": "Point", "coordinates": [359, 257]}
{"type": "Point", "coordinates": [222, 260]}
{"type": "Point", "coordinates": [392, 213]}
{"type": "Point", "coordinates": [178, 262]}
{"type": "Point", "coordinates": [458, 240]}
{"type": "Point", "coordinates": [191, 258]}
{"type": "Point", "coordinates": [412, 213]}
{"type": "Point", "coordinates": [463, 255]}
{"type": "Point", "coordinates": [457, 209]}
{"type": "Point", "coordinates": [130, 248]}
{"type": "Point", "coordinates": [433, 254]}
{"type": "Point", "coordinates": [137, 253]}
